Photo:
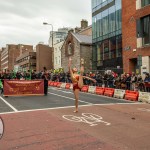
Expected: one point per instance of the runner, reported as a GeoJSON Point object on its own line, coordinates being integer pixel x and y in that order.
{"type": "Point", "coordinates": [77, 80]}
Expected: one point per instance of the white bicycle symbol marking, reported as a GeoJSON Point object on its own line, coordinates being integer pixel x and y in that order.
{"type": "Point", "coordinates": [1, 127]}
{"type": "Point", "coordinates": [89, 118]}
{"type": "Point", "coordinates": [144, 109]}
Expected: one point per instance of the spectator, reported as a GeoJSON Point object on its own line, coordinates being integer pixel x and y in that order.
{"type": "Point", "coordinates": [133, 81]}
{"type": "Point", "coordinates": [146, 81]}
{"type": "Point", "coordinates": [128, 81]}
{"type": "Point", "coordinates": [110, 80]}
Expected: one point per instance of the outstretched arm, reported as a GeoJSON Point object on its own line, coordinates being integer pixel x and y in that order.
{"type": "Point", "coordinates": [69, 66]}
{"type": "Point", "coordinates": [85, 77]}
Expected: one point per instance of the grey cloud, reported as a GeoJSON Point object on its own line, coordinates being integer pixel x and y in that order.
{"type": "Point", "coordinates": [21, 21]}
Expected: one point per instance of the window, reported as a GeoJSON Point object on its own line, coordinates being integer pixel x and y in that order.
{"type": "Point", "coordinates": [94, 27]}
{"type": "Point", "coordinates": [112, 48]}
{"type": "Point", "coordinates": [105, 22]}
{"type": "Point", "coordinates": [56, 60]}
{"type": "Point", "coordinates": [94, 54]}
{"type": "Point", "coordinates": [99, 52]}
{"type": "Point", "coordinates": [59, 59]}
{"type": "Point", "coordinates": [119, 46]}
{"type": "Point", "coordinates": [112, 19]}
{"type": "Point", "coordinates": [145, 2]}
{"type": "Point", "coordinates": [70, 52]}
{"type": "Point", "coordinates": [146, 30]}
{"type": "Point", "coordinates": [106, 50]}
{"type": "Point", "coordinates": [139, 60]}
{"type": "Point", "coordinates": [118, 14]}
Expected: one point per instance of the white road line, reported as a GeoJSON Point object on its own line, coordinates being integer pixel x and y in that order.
{"type": "Point", "coordinates": [118, 104]}
{"type": "Point", "coordinates": [65, 107]}
{"type": "Point", "coordinates": [66, 92]}
{"type": "Point", "coordinates": [43, 109]}
{"type": "Point", "coordinates": [13, 108]}
{"type": "Point", "coordinates": [69, 98]}
{"type": "Point", "coordinates": [113, 98]}
{"type": "Point", "coordinates": [60, 90]}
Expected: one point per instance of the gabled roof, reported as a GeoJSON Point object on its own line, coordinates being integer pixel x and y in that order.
{"type": "Point", "coordinates": [83, 39]}
{"type": "Point", "coordinates": [80, 32]}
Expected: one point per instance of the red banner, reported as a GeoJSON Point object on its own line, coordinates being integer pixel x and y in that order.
{"type": "Point", "coordinates": [23, 87]}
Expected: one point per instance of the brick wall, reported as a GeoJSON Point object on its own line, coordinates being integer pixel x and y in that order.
{"type": "Point", "coordinates": [86, 53]}
{"type": "Point", "coordinates": [13, 53]}
{"type": "Point", "coordinates": [129, 37]}
{"type": "Point", "coordinates": [43, 57]}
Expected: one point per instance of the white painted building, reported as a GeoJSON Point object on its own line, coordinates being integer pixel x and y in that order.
{"type": "Point", "coordinates": [58, 36]}
{"type": "Point", "coordinates": [58, 40]}
{"type": "Point", "coordinates": [57, 55]}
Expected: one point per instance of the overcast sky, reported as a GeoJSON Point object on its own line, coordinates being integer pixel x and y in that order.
{"type": "Point", "coordinates": [21, 21]}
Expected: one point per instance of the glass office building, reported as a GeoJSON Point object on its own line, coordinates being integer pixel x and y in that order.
{"type": "Point", "coordinates": [107, 34]}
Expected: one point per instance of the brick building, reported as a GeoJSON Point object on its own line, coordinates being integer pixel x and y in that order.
{"type": "Point", "coordinates": [35, 60]}
{"type": "Point", "coordinates": [136, 35]}
{"type": "Point", "coordinates": [26, 61]}
{"type": "Point", "coordinates": [77, 46]}
{"type": "Point", "coordinates": [10, 53]}
{"type": "Point", "coordinates": [43, 57]}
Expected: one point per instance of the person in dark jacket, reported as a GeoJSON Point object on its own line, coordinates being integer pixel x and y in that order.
{"type": "Point", "coordinates": [128, 81]}
{"type": "Point", "coordinates": [45, 77]}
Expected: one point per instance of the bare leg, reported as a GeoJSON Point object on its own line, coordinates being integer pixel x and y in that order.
{"type": "Point", "coordinates": [76, 94]}
{"type": "Point", "coordinates": [80, 82]}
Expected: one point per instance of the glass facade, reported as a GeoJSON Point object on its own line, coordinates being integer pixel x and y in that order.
{"type": "Point", "coordinates": [145, 2]}
{"type": "Point", "coordinates": [107, 35]}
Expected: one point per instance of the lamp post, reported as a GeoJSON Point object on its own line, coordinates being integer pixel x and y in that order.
{"type": "Point", "coordinates": [45, 23]}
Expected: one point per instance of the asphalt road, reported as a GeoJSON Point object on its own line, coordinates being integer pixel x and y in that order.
{"type": "Point", "coordinates": [49, 123]}
{"type": "Point", "coordinates": [55, 98]}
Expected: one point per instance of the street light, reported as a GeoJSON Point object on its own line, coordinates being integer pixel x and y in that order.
{"type": "Point", "coordinates": [45, 23]}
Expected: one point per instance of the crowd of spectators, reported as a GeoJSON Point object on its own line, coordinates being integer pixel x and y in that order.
{"type": "Point", "coordinates": [127, 81]}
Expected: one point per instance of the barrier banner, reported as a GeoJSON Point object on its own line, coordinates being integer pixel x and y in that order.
{"type": "Point", "coordinates": [119, 93]}
{"type": "Point", "coordinates": [144, 97]}
{"type": "Point", "coordinates": [92, 89]}
{"type": "Point", "coordinates": [71, 86]}
{"type": "Point", "coordinates": [63, 85]}
{"type": "Point", "coordinates": [23, 87]}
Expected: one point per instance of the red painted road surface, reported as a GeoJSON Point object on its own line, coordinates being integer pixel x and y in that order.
{"type": "Point", "coordinates": [107, 127]}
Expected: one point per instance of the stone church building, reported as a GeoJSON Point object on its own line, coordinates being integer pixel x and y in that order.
{"type": "Point", "coordinates": [78, 45]}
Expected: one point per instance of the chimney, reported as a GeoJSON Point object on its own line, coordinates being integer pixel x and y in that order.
{"type": "Point", "coordinates": [71, 30]}
{"type": "Point", "coordinates": [84, 24]}
{"type": "Point", "coordinates": [77, 30]}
